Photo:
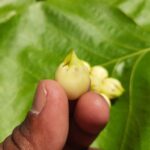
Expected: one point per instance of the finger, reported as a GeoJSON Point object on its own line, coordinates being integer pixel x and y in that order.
{"type": "Point", "coordinates": [92, 113]}
{"type": "Point", "coordinates": [47, 120]}
{"type": "Point", "coordinates": [90, 117]}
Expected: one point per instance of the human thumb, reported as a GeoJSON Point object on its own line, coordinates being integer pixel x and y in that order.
{"type": "Point", "coordinates": [46, 125]}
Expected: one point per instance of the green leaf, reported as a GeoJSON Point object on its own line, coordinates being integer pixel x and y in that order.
{"type": "Point", "coordinates": [138, 10]}
{"type": "Point", "coordinates": [36, 39]}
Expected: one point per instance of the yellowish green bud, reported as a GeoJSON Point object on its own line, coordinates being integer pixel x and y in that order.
{"type": "Point", "coordinates": [97, 75]}
{"type": "Point", "coordinates": [99, 72]}
{"type": "Point", "coordinates": [111, 87]}
{"type": "Point", "coordinates": [73, 76]}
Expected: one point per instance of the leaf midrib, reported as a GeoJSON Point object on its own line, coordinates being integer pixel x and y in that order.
{"type": "Point", "coordinates": [130, 99]}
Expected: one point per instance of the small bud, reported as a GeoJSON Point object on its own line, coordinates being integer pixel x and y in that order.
{"type": "Point", "coordinates": [73, 76]}
{"type": "Point", "coordinates": [111, 87]}
{"type": "Point", "coordinates": [97, 75]}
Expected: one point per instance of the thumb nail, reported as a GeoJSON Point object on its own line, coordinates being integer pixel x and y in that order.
{"type": "Point", "coordinates": [39, 100]}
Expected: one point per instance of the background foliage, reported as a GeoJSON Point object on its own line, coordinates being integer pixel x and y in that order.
{"type": "Point", "coordinates": [35, 36]}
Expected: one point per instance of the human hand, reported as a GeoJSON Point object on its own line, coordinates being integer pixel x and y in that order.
{"type": "Point", "coordinates": [56, 124]}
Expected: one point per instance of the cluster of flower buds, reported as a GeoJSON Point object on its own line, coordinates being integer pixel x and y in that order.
{"type": "Point", "coordinates": [77, 77]}
{"type": "Point", "coordinates": [101, 83]}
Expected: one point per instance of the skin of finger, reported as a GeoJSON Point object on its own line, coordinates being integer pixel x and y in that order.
{"type": "Point", "coordinates": [52, 121]}
{"type": "Point", "coordinates": [43, 131]}
{"type": "Point", "coordinates": [92, 113]}
{"type": "Point", "coordinates": [9, 144]}
{"type": "Point", "coordinates": [87, 121]}
{"type": "Point", "coordinates": [77, 138]}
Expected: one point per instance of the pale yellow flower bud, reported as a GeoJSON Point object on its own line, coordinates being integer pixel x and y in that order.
{"type": "Point", "coordinates": [111, 87]}
{"type": "Point", "coordinates": [73, 76]}
{"type": "Point", "coordinates": [97, 75]}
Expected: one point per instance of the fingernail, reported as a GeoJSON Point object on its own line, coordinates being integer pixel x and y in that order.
{"type": "Point", "coordinates": [39, 100]}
